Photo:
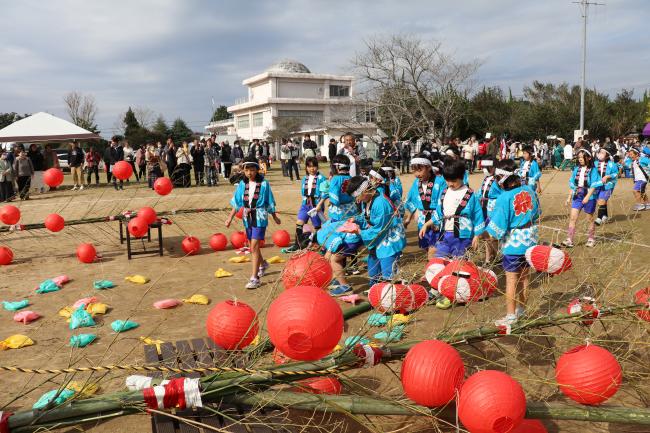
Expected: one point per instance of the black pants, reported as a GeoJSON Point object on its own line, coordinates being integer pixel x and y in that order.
{"type": "Point", "coordinates": [91, 170]}
{"type": "Point", "coordinates": [137, 176]}
{"type": "Point", "coordinates": [142, 172]}
{"type": "Point", "coordinates": [6, 190]}
{"type": "Point", "coordinates": [292, 164]}
{"type": "Point", "coordinates": [198, 175]}
{"type": "Point", "coordinates": [227, 167]}
{"type": "Point", "coordinates": [109, 175]}
{"type": "Point", "coordinates": [24, 183]}
{"type": "Point", "coordinates": [283, 163]}
{"type": "Point", "coordinates": [406, 164]}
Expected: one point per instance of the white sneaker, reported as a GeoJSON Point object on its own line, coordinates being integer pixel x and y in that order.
{"type": "Point", "coordinates": [638, 207]}
{"type": "Point", "coordinates": [568, 243]}
{"type": "Point", "coordinates": [262, 269]}
{"type": "Point", "coordinates": [81, 187]}
{"type": "Point", "coordinates": [598, 221]}
{"type": "Point", "coordinates": [647, 206]}
{"type": "Point", "coordinates": [604, 219]}
{"type": "Point", "coordinates": [591, 242]}
{"type": "Point", "coordinates": [508, 320]}
{"type": "Point", "coordinates": [74, 188]}
{"type": "Point", "coordinates": [519, 311]}
{"type": "Point", "coordinates": [253, 283]}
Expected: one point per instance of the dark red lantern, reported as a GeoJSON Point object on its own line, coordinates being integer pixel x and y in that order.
{"type": "Point", "coordinates": [54, 222]}
{"type": "Point", "coordinates": [86, 253]}
{"type": "Point", "coordinates": [6, 255]}
{"type": "Point", "coordinates": [320, 385]}
{"type": "Point", "coordinates": [238, 239]}
{"type": "Point", "coordinates": [163, 186]}
{"type": "Point", "coordinates": [642, 297]}
{"type": "Point", "coordinates": [138, 227]}
{"type": "Point", "coordinates": [530, 426]}
{"type": "Point", "coordinates": [9, 214]}
{"type": "Point", "coordinates": [588, 374]}
{"type": "Point", "coordinates": [148, 213]}
{"type": "Point", "coordinates": [398, 298]}
{"type": "Point", "coordinates": [305, 324]}
{"type": "Point", "coordinates": [281, 238]}
{"type": "Point", "coordinates": [122, 170]}
{"type": "Point", "coordinates": [307, 268]}
{"type": "Point", "coordinates": [434, 267]}
{"type": "Point", "coordinates": [432, 372]}
{"type": "Point", "coordinates": [240, 213]}
{"type": "Point", "coordinates": [191, 245]}
{"type": "Point", "coordinates": [232, 324]}
{"type": "Point", "coordinates": [545, 258]}
{"type": "Point", "coordinates": [53, 177]}
{"type": "Point", "coordinates": [491, 402]}
{"type": "Point", "coordinates": [218, 242]}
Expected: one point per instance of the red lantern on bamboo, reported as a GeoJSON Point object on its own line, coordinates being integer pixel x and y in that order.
{"type": "Point", "coordinates": [281, 238]}
{"type": "Point", "coordinates": [191, 245]}
{"type": "Point", "coordinates": [305, 324]}
{"type": "Point", "coordinates": [54, 222]}
{"type": "Point", "coordinates": [455, 266]}
{"type": "Point", "coordinates": [530, 426]}
{"type": "Point", "coordinates": [545, 258]}
{"type": "Point", "coordinates": [585, 304]}
{"type": "Point", "coordinates": [86, 253]}
{"type": "Point", "coordinates": [232, 325]}
{"type": "Point", "coordinates": [488, 280]}
{"type": "Point", "coordinates": [218, 242]}
{"type": "Point", "coordinates": [122, 170]}
{"type": "Point", "coordinates": [588, 374]}
{"type": "Point", "coordinates": [398, 298]}
{"type": "Point", "coordinates": [53, 177]}
{"type": "Point", "coordinates": [491, 402]}
{"type": "Point", "coordinates": [432, 372]}
{"type": "Point", "coordinates": [461, 287]}
{"type": "Point", "coordinates": [6, 255]}
{"type": "Point", "coordinates": [163, 186]}
{"type": "Point", "coordinates": [138, 227]}
{"type": "Point", "coordinates": [307, 268]}
{"type": "Point", "coordinates": [320, 385]}
{"type": "Point", "coordinates": [148, 214]}
{"type": "Point", "coordinates": [434, 267]}
{"type": "Point", "coordinates": [238, 239]}
{"type": "Point", "coordinates": [642, 297]}
{"type": "Point", "coordinates": [9, 214]}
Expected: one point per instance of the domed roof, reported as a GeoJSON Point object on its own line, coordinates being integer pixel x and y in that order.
{"type": "Point", "coordinates": [287, 65]}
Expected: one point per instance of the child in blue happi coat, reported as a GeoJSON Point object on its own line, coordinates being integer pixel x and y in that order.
{"type": "Point", "coordinates": [514, 223]}
{"type": "Point", "coordinates": [395, 189]}
{"type": "Point", "coordinates": [487, 195]}
{"type": "Point", "coordinates": [584, 182]}
{"type": "Point", "coordinates": [254, 195]}
{"type": "Point", "coordinates": [341, 206]}
{"type": "Point", "coordinates": [640, 168]}
{"type": "Point", "coordinates": [529, 171]}
{"type": "Point", "coordinates": [422, 199]}
{"type": "Point", "coordinates": [608, 171]}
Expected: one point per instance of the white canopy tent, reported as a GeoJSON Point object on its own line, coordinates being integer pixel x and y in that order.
{"type": "Point", "coordinates": [44, 127]}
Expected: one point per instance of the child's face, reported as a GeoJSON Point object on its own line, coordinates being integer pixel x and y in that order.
{"type": "Point", "coordinates": [250, 171]}
{"type": "Point", "coordinates": [422, 172]}
{"type": "Point", "coordinates": [602, 155]}
{"type": "Point", "coordinates": [455, 183]}
{"type": "Point", "coordinates": [527, 156]}
{"type": "Point", "coordinates": [581, 159]}
{"type": "Point", "coordinates": [364, 171]}
{"type": "Point", "coordinates": [312, 170]}
{"type": "Point", "coordinates": [633, 155]}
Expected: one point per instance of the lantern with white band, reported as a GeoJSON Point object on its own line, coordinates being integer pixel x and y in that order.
{"type": "Point", "coordinates": [545, 258]}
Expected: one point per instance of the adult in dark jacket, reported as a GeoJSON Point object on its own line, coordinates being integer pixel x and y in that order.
{"type": "Point", "coordinates": [309, 147]}
{"type": "Point", "coordinates": [113, 154]}
{"type": "Point", "coordinates": [170, 157]}
{"type": "Point", "coordinates": [198, 161]}
{"type": "Point", "coordinates": [76, 161]}
{"type": "Point", "coordinates": [384, 149]}
{"type": "Point", "coordinates": [226, 159]}
{"type": "Point", "coordinates": [38, 161]}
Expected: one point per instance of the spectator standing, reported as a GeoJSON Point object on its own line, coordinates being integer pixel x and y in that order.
{"type": "Point", "coordinates": [115, 154]}
{"type": "Point", "coordinates": [384, 150]}
{"type": "Point", "coordinates": [360, 150]}
{"type": "Point", "coordinates": [184, 165]}
{"type": "Point", "coordinates": [170, 157]}
{"type": "Point", "coordinates": [474, 143]}
{"type": "Point", "coordinates": [285, 155]}
{"type": "Point", "coordinates": [331, 152]}
{"type": "Point", "coordinates": [76, 161]}
{"type": "Point", "coordinates": [255, 150]}
{"type": "Point", "coordinates": [35, 154]}
{"type": "Point", "coordinates": [141, 162]}
{"type": "Point", "coordinates": [92, 160]}
{"type": "Point", "coordinates": [292, 163]}
{"type": "Point", "coordinates": [24, 171]}
{"type": "Point", "coordinates": [309, 147]}
{"type": "Point", "coordinates": [6, 178]}
{"type": "Point", "coordinates": [468, 156]}
{"type": "Point", "coordinates": [198, 162]}
{"type": "Point", "coordinates": [406, 156]}
{"type": "Point", "coordinates": [226, 159]}
{"type": "Point", "coordinates": [568, 157]}
{"type": "Point", "coordinates": [237, 153]}
{"type": "Point", "coordinates": [129, 156]}
{"type": "Point", "coordinates": [50, 158]}
{"type": "Point", "coordinates": [154, 164]}
{"type": "Point", "coordinates": [395, 154]}
{"type": "Point", "coordinates": [349, 150]}
{"type": "Point", "coordinates": [210, 164]}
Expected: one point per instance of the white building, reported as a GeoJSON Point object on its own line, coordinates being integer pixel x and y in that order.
{"type": "Point", "coordinates": [323, 102]}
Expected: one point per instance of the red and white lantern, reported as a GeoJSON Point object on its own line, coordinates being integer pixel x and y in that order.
{"type": "Point", "coordinates": [461, 287]}
{"type": "Point", "coordinates": [398, 298]}
{"type": "Point", "coordinates": [545, 258]}
{"type": "Point", "coordinates": [488, 280]}
{"type": "Point", "coordinates": [434, 267]}
{"type": "Point", "coordinates": [584, 305]}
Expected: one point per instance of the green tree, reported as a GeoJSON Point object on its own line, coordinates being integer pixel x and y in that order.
{"type": "Point", "coordinates": [180, 131]}
{"type": "Point", "coordinates": [220, 113]}
{"type": "Point", "coordinates": [160, 130]}
{"type": "Point", "coordinates": [7, 119]}
{"type": "Point", "coordinates": [134, 133]}
{"type": "Point", "coordinates": [284, 128]}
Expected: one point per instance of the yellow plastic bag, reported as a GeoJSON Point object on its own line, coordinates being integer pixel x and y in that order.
{"type": "Point", "coordinates": [97, 308]}
{"type": "Point", "coordinates": [239, 259]}
{"type": "Point", "coordinates": [275, 259]}
{"type": "Point", "coordinates": [66, 312]}
{"type": "Point", "coordinates": [147, 340]}
{"type": "Point", "coordinates": [137, 279]}
{"type": "Point", "coordinates": [83, 389]}
{"type": "Point", "coordinates": [256, 340]}
{"type": "Point", "coordinates": [197, 299]}
{"type": "Point", "coordinates": [398, 319]}
{"type": "Point", "coordinates": [220, 273]}
{"type": "Point", "coordinates": [16, 342]}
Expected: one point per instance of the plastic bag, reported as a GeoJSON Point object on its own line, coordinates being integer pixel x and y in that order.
{"type": "Point", "coordinates": [61, 280]}
{"type": "Point", "coordinates": [239, 259]}
{"type": "Point", "coordinates": [26, 317]}
{"type": "Point", "coordinates": [398, 319]}
{"type": "Point", "coordinates": [137, 279]}
{"type": "Point", "coordinates": [97, 308]}
{"type": "Point", "coordinates": [82, 340]}
{"type": "Point", "coordinates": [103, 284]}
{"type": "Point", "coordinates": [220, 273]}
{"type": "Point", "coordinates": [56, 396]}
{"type": "Point", "coordinates": [395, 334]}
{"type": "Point", "coordinates": [349, 227]}
{"type": "Point", "coordinates": [83, 389]}
{"type": "Point", "coordinates": [80, 318]}
{"type": "Point", "coordinates": [15, 305]}
{"type": "Point", "coordinates": [16, 341]}
{"type": "Point", "coordinates": [377, 319]}
{"type": "Point", "coordinates": [66, 312]}
{"type": "Point", "coordinates": [197, 299]}
{"type": "Point", "coordinates": [123, 325]}
{"type": "Point", "coordinates": [85, 301]}
{"type": "Point", "coordinates": [275, 259]}
{"type": "Point", "coordinates": [47, 286]}
{"type": "Point", "coordinates": [167, 303]}
{"type": "Point", "coordinates": [157, 343]}
{"type": "Point", "coordinates": [353, 341]}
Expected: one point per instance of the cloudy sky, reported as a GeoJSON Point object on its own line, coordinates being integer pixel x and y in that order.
{"type": "Point", "coordinates": [174, 56]}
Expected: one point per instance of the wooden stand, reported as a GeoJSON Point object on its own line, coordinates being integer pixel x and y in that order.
{"type": "Point", "coordinates": [129, 252]}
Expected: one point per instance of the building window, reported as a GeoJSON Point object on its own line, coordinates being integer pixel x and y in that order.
{"type": "Point", "coordinates": [258, 119]}
{"type": "Point", "coordinates": [306, 116]}
{"type": "Point", "coordinates": [243, 121]}
{"type": "Point", "coordinates": [368, 116]}
{"type": "Point", "coordinates": [339, 91]}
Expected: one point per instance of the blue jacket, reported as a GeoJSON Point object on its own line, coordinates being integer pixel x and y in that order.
{"type": "Point", "coordinates": [609, 168]}
{"type": "Point", "coordinates": [644, 165]}
{"type": "Point", "coordinates": [396, 191]}
{"type": "Point", "coordinates": [342, 205]}
{"type": "Point", "coordinates": [382, 228]}
{"type": "Point", "coordinates": [414, 203]}
{"type": "Point", "coordinates": [258, 214]}
{"type": "Point", "coordinates": [532, 174]}
{"type": "Point", "coordinates": [317, 189]}
{"type": "Point", "coordinates": [470, 221]}
{"type": "Point", "coordinates": [592, 180]}
{"type": "Point", "coordinates": [331, 240]}
{"type": "Point", "coordinates": [514, 220]}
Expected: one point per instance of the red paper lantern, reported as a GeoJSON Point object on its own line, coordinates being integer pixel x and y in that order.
{"type": "Point", "coordinates": [240, 213]}
{"type": "Point", "coordinates": [54, 222]}
{"type": "Point", "coordinates": [307, 268]}
{"type": "Point", "coordinates": [455, 266]}
{"type": "Point", "coordinates": [163, 186]}
{"type": "Point", "coordinates": [545, 258]}
{"type": "Point", "coordinates": [588, 374]}
{"type": "Point", "coordinates": [53, 177]}
{"type": "Point", "coordinates": [6, 256]}
{"type": "Point", "coordinates": [491, 402]}
{"type": "Point", "coordinates": [138, 227]}
{"type": "Point", "coordinates": [122, 170]}
{"type": "Point", "coordinates": [584, 305]}
{"type": "Point", "coordinates": [218, 242]}
{"type": "Point", "coordinates": [642, 297]}
{"type": "Point", "coordinates": [530, 426]}
{"type": "Point", "coordinates": [86, 253]}
{"type": "Point", "coordinates": [191, 245]}
{"type": "Point", "coordinates": [398, 298]}
{"type": "Point", "coordinates": [320, 385]}
{"type": "Point", "coordinates": [432, 372]}
{"type": "Point", "coordinates": [148, 213]}
{"type": "Point", "coordinates": [232, 324]}
{"type": "Point", "coordinates": [488, 280]}
{"type": "Point", "coordinates": [9, 214]}
{"type": "Point", "coordinates": [462, 287]}
{"type": "Point", "coordinates": [281, 238]}
{"type": "Point", "coordinates": [305, 324]}
{"type": "Point", "coordinates": [434, 267]}
{"type": "Point", "coordinates": [238, 239]}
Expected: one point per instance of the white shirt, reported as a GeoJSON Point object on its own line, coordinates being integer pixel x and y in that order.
{"type": "Point", "coordinates": [453, 197]}
{"type": "Point", "coordinates": [251, 192]}
{"type": "Point", "coordinates": [638, 173]}
{"type": "Point", "coordinates": [568, 152]}
{"type": "Point", "coordinates": [582, 175]}
{"type": "Point", "coordinates": [310, 183]}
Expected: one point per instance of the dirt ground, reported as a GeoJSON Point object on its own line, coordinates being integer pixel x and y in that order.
{"type": "Point", "coordinates": [612, 271]}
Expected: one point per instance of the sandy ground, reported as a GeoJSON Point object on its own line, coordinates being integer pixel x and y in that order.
{"type": "Point", "coordinates": [616, 267]}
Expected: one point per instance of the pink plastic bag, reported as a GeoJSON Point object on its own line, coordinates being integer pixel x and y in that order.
{"type": "Point", "coordinates": [61, 280]}
{"type": "Point", "coordinates": [166, 303]}
{"type": "Point", "coordinates": [26, 317]}
{"type": "Point", "coordinates": [85, 301]}
{"type": "Point", "coordinates": [348, 227]}
{"type": "Point", "coordinates": [352, 299]}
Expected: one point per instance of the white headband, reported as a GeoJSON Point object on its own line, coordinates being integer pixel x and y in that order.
{"type": "Point", "coordinates": [505, 175]}
{"type": "Point", "coordinates": [420, 161]}
{"type": "Point", "coordinates": [340, 165]}
{"type": "Point", "coordinates": [585, 151]}
{"type": "Point", "coordinates": [362, 188]}
{"type": "Point", "coordinates": [388, 168]}
{"type": "Point", "coordinates": [487, 163]}
{"type": "Point", "coordinates": [251, 163]}
{"type": "Point", "coordinates": [376, 175]}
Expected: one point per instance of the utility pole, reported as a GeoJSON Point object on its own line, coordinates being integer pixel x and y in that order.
{"type": "Point", "coordinates": [584, 9]}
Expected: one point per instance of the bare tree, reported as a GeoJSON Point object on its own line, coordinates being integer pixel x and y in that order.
{"type": "Point", "coordinates": [82, 109]}
{"type": "Point", "coordinates": [145, 116]}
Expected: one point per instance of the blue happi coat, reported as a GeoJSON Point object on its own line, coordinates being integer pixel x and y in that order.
{"type": "Point", "coordinates": [470, 220]}
{"type": "Point", "coordinates": [608, 168]}
{"type": "Point", "coordinates": [488, 198]}
{"type": "Point", "coordinates": [342, 205]}
{"type": "Point", "coordinates": [514, 220]}
{"type": "Point", "coordinates": [318, 191]}
{"type": "Point", "coordinates": [382, 229]}
{"type": "Point", "coordinates": [414, 202]}
{"type": "Point", "coordinates": [529, 172]}
{"type": "Point", "coordinates": [592, 180]}
{"type": "Point", "coordinates": [258, 214]}
{"type": "Point", "coordinates": [395, 191]}
{"type": "Point", "coordinates": [329, 238]}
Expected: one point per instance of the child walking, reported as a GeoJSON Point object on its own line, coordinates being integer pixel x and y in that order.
{"type": "Point", "coordinates": [487, 196]}
{"type": "Point", "coordinates": [608, 171]}
{"type": "Point", "coordinates": [254, 195]}
{"type": "Point", "coordinates": [529, 171]}
{"type": "Point", "coordinates": [640, 167]}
